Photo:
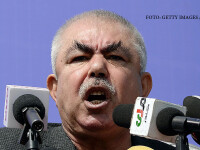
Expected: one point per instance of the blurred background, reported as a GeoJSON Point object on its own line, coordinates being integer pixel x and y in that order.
{"type": "Point", "coordinates": [173, 45]}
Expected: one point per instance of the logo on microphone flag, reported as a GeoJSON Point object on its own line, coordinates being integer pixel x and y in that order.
{"type": "Point", "coordinates": [139, 117]}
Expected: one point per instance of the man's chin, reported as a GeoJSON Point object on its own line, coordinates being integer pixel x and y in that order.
{"type": "Point", "coordinates": [95, 124]}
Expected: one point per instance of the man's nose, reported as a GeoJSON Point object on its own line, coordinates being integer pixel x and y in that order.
{"type": "Point", "coordinates": [98, 67]}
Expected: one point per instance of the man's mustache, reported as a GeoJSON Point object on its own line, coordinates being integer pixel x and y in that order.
{"type": "Point", "coordinates": [93, 82]}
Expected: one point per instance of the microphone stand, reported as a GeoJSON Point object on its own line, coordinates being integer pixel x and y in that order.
{"type": "Point", "coordinates": [184, 126]}
{"type": "Point", "coordinates": [29, 137]}
{"type": "Point", "coordinates": [182, 142]}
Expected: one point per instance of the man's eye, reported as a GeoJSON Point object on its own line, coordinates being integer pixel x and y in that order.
{"type": "Point", "coordinates": [115, 58]}
{"type": "Point", "coordinates": [80, 59]}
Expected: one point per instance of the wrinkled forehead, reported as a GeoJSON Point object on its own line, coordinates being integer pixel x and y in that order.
{"type": "Point", "coordinates": [96, 30]}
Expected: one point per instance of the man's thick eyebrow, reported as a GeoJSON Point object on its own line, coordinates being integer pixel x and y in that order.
{"type": "Point", "coordinates": [80, 47]}
{"type": "Point", "coordinates": [112, 47]}
{"type": "Point", "coordinates": [117, 47]}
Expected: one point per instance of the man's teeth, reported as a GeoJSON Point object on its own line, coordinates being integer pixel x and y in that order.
{"type": "Point", "coordinates": [97, 97]}
{"type": "Point", "coordinates": [97, 93]}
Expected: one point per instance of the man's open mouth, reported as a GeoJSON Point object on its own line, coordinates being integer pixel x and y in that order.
{"type": "Point", "coordinates": [96, 95]}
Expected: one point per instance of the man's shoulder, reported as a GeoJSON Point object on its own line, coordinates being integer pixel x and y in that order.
{"type": "Point", "coordinates": [9, 138]}
{"type": "Point", "coordinates": [9, 133]}
{"type": "Point", "coordinates": [58, 138]}
{"type": "Point", "coordinates": [12, 133]}
{"type": "Point", "coordinates": [55, 137]}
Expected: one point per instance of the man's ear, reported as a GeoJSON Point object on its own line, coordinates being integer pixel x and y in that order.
{"type": "Point", "coordinates": [146, 81]}
{"type": "Point", "coordinates": [52, 85]}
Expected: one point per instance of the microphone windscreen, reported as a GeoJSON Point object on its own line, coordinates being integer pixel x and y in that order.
{"type": "Point", "coordinates": [193, 104]}
{"type": "Point", "coordinates": [122, 115]}
{"type": "Point", "coordinates": [27, 100]}
{"type": "Point", "coordinates": [164, 120]}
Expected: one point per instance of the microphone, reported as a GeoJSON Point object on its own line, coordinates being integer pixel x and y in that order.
{"type": "Point", "coordinates": [193, 104]}
{"type": "Point", "coordinates": [141, 117]}
{"type": "Point", "coordinates": [122, 115]}
{"type": "Point", "coordinates": [31, 100]}
{"type": "Point", "coordinates": [33, 109]}
{"type": "Point", "coordinates": [171, 121]}
{"type": "Point", "coordinates": [164, 120]}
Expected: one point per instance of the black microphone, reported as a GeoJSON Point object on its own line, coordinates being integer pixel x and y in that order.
{"type": "Point", "coordinates": [29, 108]}
{"type": "Point", "coordinates": [193, 104]}
{"type": "Point", "coordinates": [171, 121]}
{"type": "Point", "coordinates": [122, 115]}
{"type": "Point", "coordinates": [164, 120]}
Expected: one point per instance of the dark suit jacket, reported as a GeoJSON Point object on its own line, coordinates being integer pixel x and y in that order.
{"type": "Point", "coordinates": [56, 138]}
